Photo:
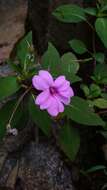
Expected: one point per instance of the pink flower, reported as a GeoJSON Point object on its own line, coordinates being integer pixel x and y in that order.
{"type": "Point", "coordinates": [55, 93]}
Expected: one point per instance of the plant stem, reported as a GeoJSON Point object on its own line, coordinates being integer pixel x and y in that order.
{"type": "Point", "coordinates": [17, 104]}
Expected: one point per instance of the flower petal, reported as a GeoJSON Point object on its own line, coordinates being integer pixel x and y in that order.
{"type": "Point", "coordinates": [63, 99]}
{"type": "Point", "coordinates": [59, 81]}
{"type": "Point", "coordinates": [45, 75]}
{"type": "Point", "coordinates": [60, 106]}
{"type": "Point", "coordinates": [39, 83]}
{"type": "Point", "coordinates": [42, 97]}
{"type": "Point", "coordinates": [65, 86]}
{"type": "Point", "coordinates": [56, 107]}
{"type": "Point", "coordinates": [53, 109]}
{"type": "Point", "coordinates": [67, 93]}
{"type": "Point", "coordinates": [47, 104]}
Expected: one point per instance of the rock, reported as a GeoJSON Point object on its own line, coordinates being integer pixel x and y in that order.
{"type": "Point", "coordinates": [38, 166]}
{"type": "Point", "coordinates": [13, 15]}
{"type": "Point", "coordinates": [42, 167]}
{"type": "Point", "coordinates": [6, 70]}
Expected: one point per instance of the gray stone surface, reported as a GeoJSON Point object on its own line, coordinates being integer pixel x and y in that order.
{"type": "Point", "coordinates": [5, 70]}
{"type": "Point", "coordinates": [43, 168]}
{"type": "Point", "coordinates": [36, 167]}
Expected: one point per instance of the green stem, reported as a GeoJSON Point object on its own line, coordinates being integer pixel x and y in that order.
{"type": "Point", "coordinates": [102, 15]}
{"type": "Point", "coordinates": [17, 104]}
{"type": "Point", "coordinates": [83, 60]}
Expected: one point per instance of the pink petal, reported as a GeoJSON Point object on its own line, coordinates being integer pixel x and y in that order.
{"type": "Point", "coordinates": [56, 107]}
{"type": "Point", "coordinates": [59, 81]}
{"type": "Point", "coordinates": [63, 99]}
{"type": "Point", "coordinates": [47, 104]}
{"type": "Point", "coordinates": [53, 109]}
{"type": "Point", "coordinates": [46, 76]}
{"type": "Point", "coordinates": [65, 85]}
{"type": "Point", "coordinates": [60, 106]}
{"type": "Point", "coordinates": [42, 97]}
{"type": "Point", "coordinates": [39, 83]}
{"type": "Point", "coordinates": [67, 93]}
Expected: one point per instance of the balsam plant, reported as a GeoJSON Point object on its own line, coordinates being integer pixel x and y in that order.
{"type": "Point", "coordinates": [89, 109]}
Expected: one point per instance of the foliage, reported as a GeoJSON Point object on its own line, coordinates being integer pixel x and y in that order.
{"type": "Point", "coordinates": [86, 108]}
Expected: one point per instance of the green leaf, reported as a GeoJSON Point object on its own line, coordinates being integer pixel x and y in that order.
{"type": "Point", "coordinates": [91, 104]}
{"type": "Point", "coordinates": [78, 46]}
{"type": "Point", "coordinates": [80, 112]}
{"type": "Point", "coordinates": [104, 8]}
{"type": "Point", "coordinates": [95, 91]}
{"type": "Point", "coordinates": [69, 141]}
{"type": "Point", "coordinates": [69, 65]}
{"type": "Point", "coordinates": [100, 74]}
{"type": "Point", "coordinates": [101, 29]}
{"type": "Point", "coordinates": [8, 86]}
{"type": "Point", "coordinates": [74, 78]}
{"type": "Point", "coordinates": [51, 59]}
{"type": "Point", "coordinates": [70, 13]}
{"type": "Point", "coordinates": [85, 89]}
{"type": "Point", "coordinates": [100, 103]}
{"type": "Point", "coordinates": [41, 118]}
{"type": "Point", "coordinates": [91, 11]}
{"type": "Point", "coordinates": [104, 95]}
{"type": "Point", "coordinates": [23, 49]}
{"type": "Point", "coordinates": [99, 57]}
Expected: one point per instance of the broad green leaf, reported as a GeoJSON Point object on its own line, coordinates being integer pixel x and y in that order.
{"type": "Point", "coordinates": [74, 78]}
{"type": "Point", "coordinates": [8, 86]}
{"type": "Point", "coordinates": [51, 59]}
{"type": "Point", "coordinates": [69, 141]}
{"type": "Point", "coordinates": [104, 81]}
{"type": "Point", "coordinates": [91, 104]}
{"type": "Point", "coordinates": [99, 56]}
{"type": "Point", "coordinates": [104, 8]}
{"type": "Point", "coordinates": [69, 65]}
{"type": "Point", "coordinates": [91, 11]}
{"type": "Point", "coordinates": [80, 112]}
{"type": "Point", "coordinates": [85, 89]}
{"type": "Point", "coordinates": [70, 13]}
{"type": "Point", "coordinates": [100, 74]}
{"type": "Point", "coordinates": [5, 114]}
{"type": "Point", "coordinates": [104, 95]}
{"type": "Point", "coordinates": [24, 48]}
{"type": "Point", "coordinates": [101, 29]}
{"type": "Point", "coordinates": [100, 103]}
{"type": "Point", "coordinates": [40, 117]}
{"type": "Point", "coordinates": [78, 46]}
{"type": "Point", "coordinates": [95, 91]}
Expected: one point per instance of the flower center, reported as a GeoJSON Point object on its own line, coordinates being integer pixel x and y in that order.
{"type": "Point", "coordinates": [53, 90]}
